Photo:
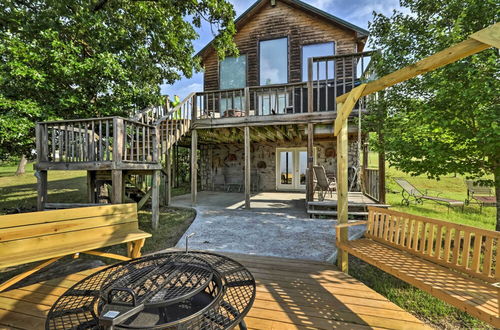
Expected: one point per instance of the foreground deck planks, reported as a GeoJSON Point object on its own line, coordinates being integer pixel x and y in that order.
{"type": "Point", "coordinates": [291, 294]}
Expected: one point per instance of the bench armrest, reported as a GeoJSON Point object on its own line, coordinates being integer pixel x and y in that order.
{"type": "Point", "coordinates": [350, 224]}
{"type": "Point", "coordinates": [339, 239]}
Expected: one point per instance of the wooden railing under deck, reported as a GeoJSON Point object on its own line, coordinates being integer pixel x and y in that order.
{"type": "Point", "coordinates": [370, 183]}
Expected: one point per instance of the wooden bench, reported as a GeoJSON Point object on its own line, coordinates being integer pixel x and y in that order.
{"type": "Point", "coordinates": [453, 262]}
{"type": "Point", "coordinates": [51, 235]}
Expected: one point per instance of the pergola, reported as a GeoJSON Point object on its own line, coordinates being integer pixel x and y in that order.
{"type": "Point", "coordinates": [477, 42]}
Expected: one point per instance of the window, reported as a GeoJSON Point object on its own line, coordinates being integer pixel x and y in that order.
{"type": "Point", "coordinates": [233, 72]}
{"type": "Point", "coordinates": [272, 103]}
{"type": "Point", "coordinates": [274, 61]}
{"type": "Point", "coordinates": [315, 50]}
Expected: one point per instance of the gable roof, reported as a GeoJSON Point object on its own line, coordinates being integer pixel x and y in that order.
{"type": "Point", "coordinates": [243, 18]}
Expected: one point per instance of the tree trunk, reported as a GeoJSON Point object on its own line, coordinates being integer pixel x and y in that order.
{"type": "Point", "coordinates": [497, 193]}
{"type": "Point", "coordinates": [21, 167]}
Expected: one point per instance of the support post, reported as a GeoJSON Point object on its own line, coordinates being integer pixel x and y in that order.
{"type": "Point", "coordinates": [91, 186]}
{"type": "Point", "coordinates": [41, 179]}
{"type": "Point", "coordinates": [155, 199]}
{"type": "Point", "coordinates": [310, 162]}
{"type": "Point", "coordinates": [168, 181]}
{"type": "Point", "coordinates": [194, 166]}
{"type": "Point", "coordinates": [118, 186]}
{"type": "Point", "coordinates": [381, 171]}
{"type": "Point", "coordinates": [310, 132]}
{"type": "Point", "coordinates": [342, 189]}
{"type": "Point", "coordinates": [247, 168]}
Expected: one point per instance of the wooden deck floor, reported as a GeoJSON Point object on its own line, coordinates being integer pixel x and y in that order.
{"type": "Point", "coordinates": [291, 294]}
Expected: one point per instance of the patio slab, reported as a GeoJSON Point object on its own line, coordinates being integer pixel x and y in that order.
{"type": "Point", "coordinates": [277, 225]}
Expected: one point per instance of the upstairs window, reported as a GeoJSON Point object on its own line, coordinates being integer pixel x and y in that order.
{"type": "Point", "coordinates": [273, 61]}
{"type": "Point", "coordinates": [316, 50]}
{"type": "Point", "coordinates": [233, 72]}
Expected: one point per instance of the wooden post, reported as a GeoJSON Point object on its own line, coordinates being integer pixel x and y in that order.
{"type": "Point", "coordinates": [342, 189]}
{"type": "Point", "coordinates": [194, 166]}
{"type": "Point", "coordinates": [168, 181]}
{"type": "Point", "coordinates": [381, 171]}
{"type": "Point", "coordinates": [310, 162]}
{"type": "Point", "coordinates": [310, 132]}
{"type": "Point", "coordinates": [41, 179]}
{"type": "Point", "coordinates": [247, 168]}
{"type": "Point", "coordinates": [155, 199]}
{"type": "Point", "coordinates": [118, 186]}
{"type": "Point", "coordinates": [118, 140]}
{"type": "Point", "coordinates": [91, 186]}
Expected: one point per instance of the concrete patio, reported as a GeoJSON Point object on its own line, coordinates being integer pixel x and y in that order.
{"type": "Point", "coordinates": [277, 225]}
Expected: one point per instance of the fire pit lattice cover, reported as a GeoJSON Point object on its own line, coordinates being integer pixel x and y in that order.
{"type": "Point", "coordinates": [175, 290]}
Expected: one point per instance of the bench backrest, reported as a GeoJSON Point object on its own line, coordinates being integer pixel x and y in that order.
{"type": "Point", "coordinates": [408, 187]}
{"type": "Point", "coordinates": [474, 188]}
{"type": "Point", "coordinates": [50, 229]}
{"type": "Point", "coordinates": [466, 249]}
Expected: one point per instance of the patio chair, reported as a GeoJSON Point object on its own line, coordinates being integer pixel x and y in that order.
{"type": "Point", "coordinates": [324, 184]}
{"type": "Point", "coordinates": [409, 191]}
{"type": "Point", "coordinates": [483, 195]}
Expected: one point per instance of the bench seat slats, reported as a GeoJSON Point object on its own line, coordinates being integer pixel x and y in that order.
{"type": "Point", "coordinates": [475, 297]}
{"type": "Point", "coordinates": [51, 228]}
{"type": "Point", "coordinates": [70, 247]}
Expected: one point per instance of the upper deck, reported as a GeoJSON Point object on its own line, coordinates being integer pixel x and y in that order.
{"type": "Point", "coordinates": [312, 101]}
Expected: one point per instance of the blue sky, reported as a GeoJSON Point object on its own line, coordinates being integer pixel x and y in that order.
{"type": "Point", "coordinates": [358, 12]}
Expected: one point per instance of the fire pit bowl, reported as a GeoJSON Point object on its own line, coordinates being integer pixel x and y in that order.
{"type": "Point", "coordinates": [175, 290]}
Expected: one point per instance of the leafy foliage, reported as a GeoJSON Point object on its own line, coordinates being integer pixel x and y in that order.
{"type": "Point", "coordinates": [76, 59]}
{"type": "Point", "coordinates": [446, 121]}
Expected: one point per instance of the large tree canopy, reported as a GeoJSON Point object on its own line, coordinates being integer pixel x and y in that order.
{"type": "Point", "coordinates": [446, 121]}
{"type": "Point", "coordinates": [81, 59]}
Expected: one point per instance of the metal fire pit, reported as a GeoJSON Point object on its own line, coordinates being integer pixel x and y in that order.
{"type": "Point", "coordinates": [176, 290]}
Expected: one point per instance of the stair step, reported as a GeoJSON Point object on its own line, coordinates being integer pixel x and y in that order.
{"type": "Point", "coordinates": [334, 204]}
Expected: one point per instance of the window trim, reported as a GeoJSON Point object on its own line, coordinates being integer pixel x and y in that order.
{"type": "Point", "coordinates": [287, 37]}
{"type": "Point", "coordinates": [302, 54]}
{"type": "Point", "coordinates": [220, 75]}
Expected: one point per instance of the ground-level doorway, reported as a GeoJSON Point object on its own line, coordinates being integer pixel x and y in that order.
{"type": "Point", "coordinates": [291, 165]}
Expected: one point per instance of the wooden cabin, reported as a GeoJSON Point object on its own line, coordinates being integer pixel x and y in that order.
{"type": "Point", "coordinates": [262, 121]}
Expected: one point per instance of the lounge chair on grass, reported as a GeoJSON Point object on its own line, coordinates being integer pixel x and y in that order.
{"type": "Point", "coordinates": [324, 184]}
{"type": "Point", "coordinates": [482, 195]}
{"type": "Point", "coordinates": [409, 192]}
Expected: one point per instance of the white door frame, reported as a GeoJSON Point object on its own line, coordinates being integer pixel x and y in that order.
{"type": "Point", "coordinates": [295, 168]}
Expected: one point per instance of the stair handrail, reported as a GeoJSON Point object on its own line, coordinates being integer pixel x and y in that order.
{"type": "Point", "coordinates": [177, 108]}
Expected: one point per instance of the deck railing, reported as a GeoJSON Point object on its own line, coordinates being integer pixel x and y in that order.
{"type": "Point", "coordinates": [96, 140]}
{"type": "Point", "coordinates": [330, 77]}
{"type": "Point", "coordinates": [370, 183]}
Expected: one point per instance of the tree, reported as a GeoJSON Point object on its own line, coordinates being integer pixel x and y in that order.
{"type": "Point", "coordinates": [446, 121]}
{"type": "Point", "coordinates": [80, 59]}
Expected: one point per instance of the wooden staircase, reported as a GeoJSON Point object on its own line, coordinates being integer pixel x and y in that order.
{"type": "Point", "coordinates": [357, 207]}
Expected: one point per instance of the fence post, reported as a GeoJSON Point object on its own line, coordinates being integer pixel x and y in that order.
{"type": "Point", "coordinates": [118, 140]}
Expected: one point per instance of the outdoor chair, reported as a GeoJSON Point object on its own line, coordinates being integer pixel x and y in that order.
{"type": "Point", "coordinates": [482, 195]}
{"type": "Point", "coordinates": [324, 183]}
{"type": "Point", "coordinates": [409, 191]}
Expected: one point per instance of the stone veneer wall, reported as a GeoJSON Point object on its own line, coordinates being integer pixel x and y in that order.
{"type": "Point", "coordinates": [228, 160]}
